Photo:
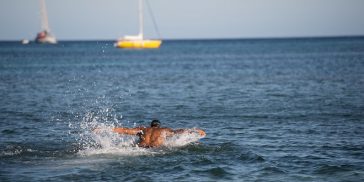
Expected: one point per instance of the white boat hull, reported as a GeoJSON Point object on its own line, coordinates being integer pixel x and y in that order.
{"type": "Point", "coordinates": [49, 39]}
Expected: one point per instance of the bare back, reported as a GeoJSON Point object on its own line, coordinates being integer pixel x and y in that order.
{"type": "Point", "coordinates": [154, 137]}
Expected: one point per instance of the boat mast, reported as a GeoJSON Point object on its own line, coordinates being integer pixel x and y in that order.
{"type": "Point", "coordinates": [44, 17]}
{"type": "Point", "coordinates": [141, 28]}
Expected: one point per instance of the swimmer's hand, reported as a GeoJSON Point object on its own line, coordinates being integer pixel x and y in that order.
{"type": "Point", "coordinates": [201, 132]}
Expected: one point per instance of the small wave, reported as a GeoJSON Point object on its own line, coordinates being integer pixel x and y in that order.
{"type": "Point", "coordinates": [251, 157]}
{"type": "Point", "coordinates": [194, 147]}
{"type": "Point", "coordinates": [331, 169]}
{"type": "Point", "coordinates": [216, 172]}
{"type": "Point", "coordinates": [270, 170]}
{"type": "Point", "coordinates": [224, 147]}
{"type": "Point", "coordinates": [8, 132]}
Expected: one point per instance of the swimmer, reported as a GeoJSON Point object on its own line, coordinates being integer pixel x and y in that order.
{"type": "Point", "coordinates": [153, 136]}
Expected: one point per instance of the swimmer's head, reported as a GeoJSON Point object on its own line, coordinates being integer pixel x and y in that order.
{"type": "Point", "coordinates": [155, 123]}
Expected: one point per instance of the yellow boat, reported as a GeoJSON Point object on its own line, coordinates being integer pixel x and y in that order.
{"type": "Point", "coordinates": [138, 41]}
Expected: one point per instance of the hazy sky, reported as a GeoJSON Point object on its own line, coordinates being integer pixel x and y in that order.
{"type": "Point", "coordinates": [179, 19]}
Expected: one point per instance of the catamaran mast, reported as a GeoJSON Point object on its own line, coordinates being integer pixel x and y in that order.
{"type": "Point", "coordinates": [141, 23]}
{"type": "Point", "coordinates": [44, 17]}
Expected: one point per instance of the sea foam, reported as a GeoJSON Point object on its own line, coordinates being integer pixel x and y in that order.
{"type": "Point", "coordinates": [106, 142]}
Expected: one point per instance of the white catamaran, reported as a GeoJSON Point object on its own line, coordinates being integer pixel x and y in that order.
{"type": "Point", "coordinates": [45, 36]}
{"type": "Point", "coordinates": [138, 41]}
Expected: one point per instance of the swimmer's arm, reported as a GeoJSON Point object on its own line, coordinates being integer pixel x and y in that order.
{"type": "Point", "coordinates": [128, 131]}
{"type": "Point", "coordinates": [180, 131]}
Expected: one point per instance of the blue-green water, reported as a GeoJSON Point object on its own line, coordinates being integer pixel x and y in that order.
{"type": "Point", "coordinates": [273, 110]}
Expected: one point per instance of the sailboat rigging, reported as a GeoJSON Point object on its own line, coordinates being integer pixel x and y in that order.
{"type": "Point", "coordinates": [138, 41]}
{"type": "Point", "coordinates": [44, 36]}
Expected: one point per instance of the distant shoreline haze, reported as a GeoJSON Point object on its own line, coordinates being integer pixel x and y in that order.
{"type": "Point", "coordinates": [187, 19]}
{"type": "Point", "coordinates": [211, 39]}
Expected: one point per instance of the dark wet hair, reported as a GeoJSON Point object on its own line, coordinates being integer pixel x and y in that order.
{"type": "Point", "coordinates": [155, 123]}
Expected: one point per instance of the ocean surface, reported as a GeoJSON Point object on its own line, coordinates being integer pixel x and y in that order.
{"type": "Point", "coordinates": [273, 110]}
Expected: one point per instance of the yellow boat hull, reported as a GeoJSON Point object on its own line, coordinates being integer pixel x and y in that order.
{"type": "Point", "coordinates": [139, 44]}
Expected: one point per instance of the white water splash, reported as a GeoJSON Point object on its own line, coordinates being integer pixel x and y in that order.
{"type": "Point", "coordinates": [107, 142]}
{"type": "Point", "coordinates": [116, 144]}
{"type": "Point", "coordinates": [183, 139]}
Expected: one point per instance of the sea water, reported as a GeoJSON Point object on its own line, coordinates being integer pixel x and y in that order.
{"type": "Point", "coordinates": [273, 110]}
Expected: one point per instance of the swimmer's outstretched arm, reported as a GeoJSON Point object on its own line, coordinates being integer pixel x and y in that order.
{"type": "Point", "coordinates": [128, 131]}
{"type": "Point", "coordinates": [200, 132]}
